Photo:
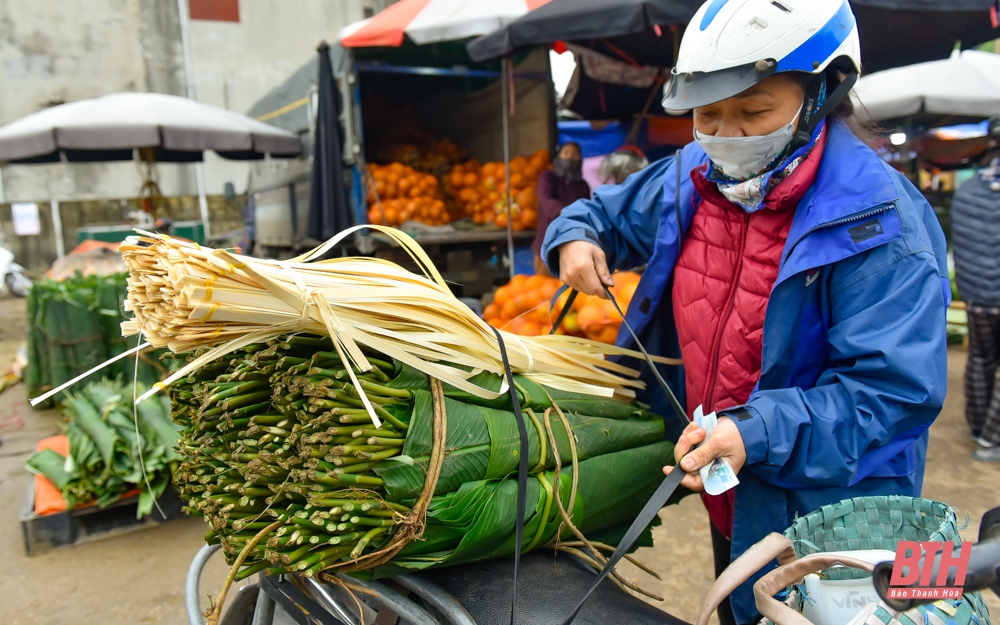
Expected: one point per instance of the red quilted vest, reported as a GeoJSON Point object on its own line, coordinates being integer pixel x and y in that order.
{"type": "Point", "coordinates": [722, 282]}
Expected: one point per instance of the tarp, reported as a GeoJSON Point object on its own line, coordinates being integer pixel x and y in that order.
{"type": "Point", "coordinates": [329, 212]}
{"type": "Point", "coordinates": [655, 132]}
{"type": "Point", "coordinates": [967, 84]}
{"type": "Point", "coordinates": [430, 21]}
{"type": "Point", "coordinates": [893, 32]}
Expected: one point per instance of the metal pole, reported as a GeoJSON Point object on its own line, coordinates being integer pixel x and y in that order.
{"type": "Point", "coordinates": [192, 602]}
{"type": "Point", "coordinates": [57, 228]}
{"type": "Point", "coordinates": [506, 163]}
{"type": "Point", "coordinates": [199, 168]}
{"type": "Point", "coordinates": [3, 198]}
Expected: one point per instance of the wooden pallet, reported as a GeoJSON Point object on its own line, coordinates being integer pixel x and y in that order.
{"type": "Point", "coordinates": [44, 533]}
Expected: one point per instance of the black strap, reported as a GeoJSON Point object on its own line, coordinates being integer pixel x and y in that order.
{"type": "Point", "coordinates": [674, 403]}
{"type": "Point", "coordinates": [566, 308]}
{"type": "Point", "coordinates": [649, 512]}
{"type": "Point", "coordinates": [810, 116]}
{"type": "Point", "coordinates": [522, 470]}
{"type": "Point", "coordinates": [662, 494]}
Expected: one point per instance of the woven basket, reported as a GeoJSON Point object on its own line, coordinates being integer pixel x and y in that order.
{"type": "Point", "coordinates": [880, 523]}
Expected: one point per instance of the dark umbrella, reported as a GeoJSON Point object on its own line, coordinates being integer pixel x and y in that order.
{"type": "Point", "coordinates": [893, 32]}
{"type": "Point", "coordinates": [328, 208]}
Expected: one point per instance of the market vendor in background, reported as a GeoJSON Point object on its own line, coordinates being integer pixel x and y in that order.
{"type": "Point", "coordinates": [802, 280]}
{"type": "Point", "coordinates": [621, 164]}
{"type": "Point", "coordinates": [558, 188]}
{"type": "Point", "coordinates": [975, 242]}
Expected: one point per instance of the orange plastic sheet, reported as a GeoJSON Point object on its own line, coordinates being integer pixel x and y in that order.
{"type": "Point", "coordinates": [48, 499]}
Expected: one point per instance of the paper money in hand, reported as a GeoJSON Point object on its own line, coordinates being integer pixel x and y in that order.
{"type": "Point", "coordinates": [717, 476]}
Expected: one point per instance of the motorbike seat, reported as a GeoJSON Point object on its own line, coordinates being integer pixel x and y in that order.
{"type": "Point", "coordinates": [549, 586]}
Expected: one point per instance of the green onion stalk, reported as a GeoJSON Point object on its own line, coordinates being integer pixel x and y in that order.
{"type": "Point", "coordinates": [279, 432]}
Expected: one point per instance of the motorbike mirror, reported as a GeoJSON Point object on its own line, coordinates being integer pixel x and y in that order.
{"type": "Point", "coordinates": [989, 527]}
{"type": "Point", "coordinates": [881, 576]}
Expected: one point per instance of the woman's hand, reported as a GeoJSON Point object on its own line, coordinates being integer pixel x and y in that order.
{"type": "Point", "coordinates": [583, 266]}
{"type": "Point", "coordinates": [726, 442]}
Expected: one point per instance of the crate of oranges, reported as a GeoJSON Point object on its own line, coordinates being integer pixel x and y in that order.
{"type": "Point", "coordinates": [401, 193]}
{"type": "Point", "coordinates": [480, 190]}
{"type": "Point", "coordinates": [522, 307]}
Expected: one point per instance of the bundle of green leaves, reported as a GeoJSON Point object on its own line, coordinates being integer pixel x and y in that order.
{"type": "Point", "coordinates": [113, 448]}
{"type": "Point", "coordinates": [279, 432]}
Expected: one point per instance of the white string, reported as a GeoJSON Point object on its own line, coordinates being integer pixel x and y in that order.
{"type": "Point", "coordinates": [62, 387]}
{"type": "Point", "coordinates": [138, 436]}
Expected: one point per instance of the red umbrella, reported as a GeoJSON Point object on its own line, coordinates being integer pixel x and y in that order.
{"type": "Point", "coordinates": [430, 21]}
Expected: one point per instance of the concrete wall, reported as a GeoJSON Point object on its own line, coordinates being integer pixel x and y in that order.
{"type": "Point", "coordinates": [36, 253]}
{"type": "Point", "coordinates": [55, 51]}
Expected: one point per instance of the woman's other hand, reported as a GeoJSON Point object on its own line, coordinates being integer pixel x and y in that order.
{"type": "Point", "coordinates": [583, 266]}
{"type": "Point", "coordinates": [726, 443]}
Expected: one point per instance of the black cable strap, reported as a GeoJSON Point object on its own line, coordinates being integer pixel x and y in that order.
{"type": "Point", "coordinates": [674, 403]}
{"type": "Point", "coordinates": [566, 308]}
{"type": "Point", "coordinates": [522, 470]}
{"type": "Point", "coordinates": [652, 507]}
{"type": "Point", "coordinates": [662, 494]}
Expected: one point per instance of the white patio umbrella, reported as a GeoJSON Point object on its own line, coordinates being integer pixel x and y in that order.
{"type": "Point", "coordinates": [967, 84]}
{"type": "Point", "coordinates": [109, 128]}
{"type": "Point", "coordinates": [163, 128]}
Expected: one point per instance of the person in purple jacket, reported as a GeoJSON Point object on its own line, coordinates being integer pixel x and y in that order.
{"type": "Point", "coordinates": [558, 188]}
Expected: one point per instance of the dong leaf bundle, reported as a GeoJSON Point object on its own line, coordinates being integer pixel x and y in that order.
{"type": "Point", "coordinates": [276, 436]}
{"type": "Point", "coordinates": [73, 326]}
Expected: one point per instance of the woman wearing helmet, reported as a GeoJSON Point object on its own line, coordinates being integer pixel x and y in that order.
{"type": "Point", "coordinates": [801, 279]}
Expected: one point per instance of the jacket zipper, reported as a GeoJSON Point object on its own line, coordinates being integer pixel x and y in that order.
{"type": "Point", "coordinates": [884, 208]}
{"type": "Point", "coordinates": [724, 319]}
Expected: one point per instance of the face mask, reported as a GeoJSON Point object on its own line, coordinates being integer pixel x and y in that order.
{"type": "Point", "coordinates": [569, 168]}
{"type": "Point", "coordinates": [745, 157]}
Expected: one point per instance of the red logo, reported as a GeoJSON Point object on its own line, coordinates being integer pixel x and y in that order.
{"type": "Point", "coordinates": [911, 578]}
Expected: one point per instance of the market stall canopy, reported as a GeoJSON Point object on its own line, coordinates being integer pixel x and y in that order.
{"type": "Point", "coordinates": [965, 85]}
{"type": "Point", "coordinates": [893, 32]}
{"type": "Point", "coordinates": [431, 21]}
{"type": "Point", "coordinates": [111, 127]}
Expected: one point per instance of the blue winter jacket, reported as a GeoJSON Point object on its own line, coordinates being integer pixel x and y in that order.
{"type": "Point", "coordinates": [854, 364]}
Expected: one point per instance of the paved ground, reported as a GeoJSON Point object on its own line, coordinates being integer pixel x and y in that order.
{"type": "Point", "coordinates": [139, 577]}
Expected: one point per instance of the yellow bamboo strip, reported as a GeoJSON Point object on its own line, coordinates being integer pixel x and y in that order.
{"type": "Point", "coordinates": [186, 297]}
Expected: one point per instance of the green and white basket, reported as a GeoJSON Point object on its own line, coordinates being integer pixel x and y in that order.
{"type": "Point", "coordinates": [879, 523]}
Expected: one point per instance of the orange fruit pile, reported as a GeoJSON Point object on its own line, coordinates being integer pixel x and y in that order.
{"type": "Point", "coordinates": [428, 155]}
{"type": "Point", "coordinates": [480, 190]}
{"type": "Point", "coordinates": [405, 194]}
{"type": "Point", "coordinates": [522, 307]}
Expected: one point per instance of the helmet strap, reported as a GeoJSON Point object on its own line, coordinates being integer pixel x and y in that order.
{"type": "Point", "coordinates": [811, 114]}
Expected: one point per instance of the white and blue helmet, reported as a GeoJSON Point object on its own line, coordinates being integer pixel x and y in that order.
{"type": "Point", "coordinates": [731, 45]}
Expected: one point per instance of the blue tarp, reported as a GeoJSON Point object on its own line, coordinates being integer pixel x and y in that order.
{"type": "Point", "coordinates": [593, 142]}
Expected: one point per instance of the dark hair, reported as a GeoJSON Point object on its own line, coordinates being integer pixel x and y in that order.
{"type": "Point", "coordinates": [570, 143]}
{"type": "Point", "coordinates": [861, 124]}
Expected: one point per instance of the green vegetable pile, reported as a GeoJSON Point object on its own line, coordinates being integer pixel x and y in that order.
{"type": "Point", "coordinates": [104, 448]}
{"type": "Point", "coordinates": [276, 437]}
{"type": "Point", "coordinates": [75, 325]}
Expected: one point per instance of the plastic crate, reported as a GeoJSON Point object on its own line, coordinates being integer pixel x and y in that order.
{"type": "Point", "coordinates": [72, 527]}
{"type": "Point", "coordinates": [190, 230]}
{"type": "Point", "coordinates": [109, 234]}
